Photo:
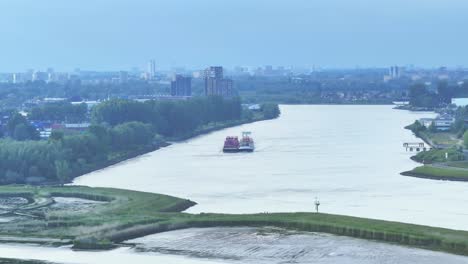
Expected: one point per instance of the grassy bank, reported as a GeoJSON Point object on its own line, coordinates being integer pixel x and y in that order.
{"type": "Point", "coordinates": [432, 238]}
{"type": "Point", "coordinates": [119, 215]}
{"type": "Point", "coordinates": [439, 156]}
{"type": "Point", "coordinates": [438, 173]}
{"type": "Point", "coordinates": [20, 261]}
{"type": "Point", "coordinates": [441, 139]}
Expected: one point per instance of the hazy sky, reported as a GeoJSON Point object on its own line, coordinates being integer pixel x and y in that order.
{"type": "Point", "coordinates": [119, 34]}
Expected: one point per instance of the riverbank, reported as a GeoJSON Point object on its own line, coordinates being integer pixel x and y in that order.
{"type": "Point", "coordinates": [102, 218]}
{"type": "Point", "coordinates": [438, 173]}
{"type": "Point", "coordinates": [19, 261]}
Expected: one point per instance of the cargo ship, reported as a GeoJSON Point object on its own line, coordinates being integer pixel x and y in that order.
{"type": "Point", "coordinates": [231, 144]}
{"type": "Point", "coordinates": [245, 144]}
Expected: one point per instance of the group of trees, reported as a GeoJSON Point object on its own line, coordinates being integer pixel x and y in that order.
{"type": "Point", "coordinates": [20, 129]}
{"type": "Point", "coordinates": [421, 96]}
{"type": "Point", "coordinates": [169, 118]}
{"type": "Point", "coordinates": [63, 157]}
{"type": "Point", "coordinates": [61, 112]}
{"type": "Point", "coordinates": [270, 110]}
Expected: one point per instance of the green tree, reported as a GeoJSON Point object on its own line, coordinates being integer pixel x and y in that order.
{"type": "Point", "coordinates": [270, 110]}
{"type": "Point", "coordinates": [432, 128]}
{"type": "Point", "coordinates": [445, 92]}
{"type": "Point", "coordinates": [465, 139]}
{"type": "Point", "coordinates": [56, 135]}
{"type": "Point", "coordinates": [20, 129]}
{"type": "Point", "coordinates": [63, 171]}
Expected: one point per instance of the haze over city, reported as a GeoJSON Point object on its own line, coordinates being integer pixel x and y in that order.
{"type": "Point", "coordinates": [120, 34]}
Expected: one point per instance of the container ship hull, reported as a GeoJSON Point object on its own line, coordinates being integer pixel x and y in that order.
{"type": "Point", "coordinates": [246, 149]}
{"type": "Point", "coordinates": [233, 144]}
{"type": "Point", "coordinates": [230, 150]}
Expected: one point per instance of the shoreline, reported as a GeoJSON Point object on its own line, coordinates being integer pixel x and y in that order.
{"type": "Point", "coordinates": [432, 177]}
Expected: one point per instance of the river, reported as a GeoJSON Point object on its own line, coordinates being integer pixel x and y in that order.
{"type": "Point", "coordinates": [349, 157]}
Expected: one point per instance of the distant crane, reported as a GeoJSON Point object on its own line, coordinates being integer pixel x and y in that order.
{"type": "Point", "coordinates": [317, 203]}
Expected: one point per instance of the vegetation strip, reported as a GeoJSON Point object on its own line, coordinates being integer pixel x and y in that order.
{"type": "Point", "coordinates": [119, 215]}
{"type": "Point", "coordinates": [438, 173]}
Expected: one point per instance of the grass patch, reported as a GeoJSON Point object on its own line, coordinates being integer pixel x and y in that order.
{"type": "Point", "coordinates": [19, 261]}
{"type": "Point", "coordinates": [438, 173]}
{"type": "Point", "coordinates": [459, 164]}
{"type": "Point", "coordinates": [441, 138]}
{"type": "Point", "coordinates": [439, 155]}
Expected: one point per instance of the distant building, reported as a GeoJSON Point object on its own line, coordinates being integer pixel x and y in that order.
{"type": "Point", "coordinates": [254, 107]}
{"type": "Point", "coordinates": [441, 123]}
{"type": "Point", "coordinates": [89, 104]}
{"type": "Point", "coordinates": [181, 86]}
{"type": "Point", "coordinates": [18, 78]}
{"type": "Point", "coordinates": [215, 84]}
{"type": "Point", "coordinates": [40, 76]}
{"type": "Point", "coordinates": [444, 123]}
{"type": "Point", "coordinates": [460, 101]}
{"type": "Point", "coordinates": [54, 100]}
{"type": "Point", "coordinates": [151, 72]}
{"type": "Point", "coordinates": [426, 121]}
{"type": "Point", "coordinates": [123, 77]}
{"type": "Point", "coordinates": [395, 72]}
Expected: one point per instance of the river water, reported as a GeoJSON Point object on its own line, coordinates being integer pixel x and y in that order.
{"type": "Point", "coordinates": [349, 157]}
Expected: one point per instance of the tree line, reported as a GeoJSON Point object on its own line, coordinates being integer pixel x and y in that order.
{"type": "Point", "coordinates": [169, 118]}
{"type": "Point", "coordinates": [61, 112]}
{"type": "Point", "coordinates": [63, 157]}
{"type": "Point", "coordinates": [422, 96]}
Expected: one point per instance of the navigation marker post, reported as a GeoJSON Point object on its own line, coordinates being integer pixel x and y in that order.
{"type": "Point", "coordinates": [317, 203]}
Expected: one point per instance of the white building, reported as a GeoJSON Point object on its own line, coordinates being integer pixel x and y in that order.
{"type": "Point", "coordinates": [151, 73]}
{"type": "Point", "coordinates": [461, 102]}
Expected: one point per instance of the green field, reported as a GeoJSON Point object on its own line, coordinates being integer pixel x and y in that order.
{"type": "Point", "coordinates": [441, 138]}
{"type": "Point", "coordinates": [118, 215]}
{"type": "Point", "coordinates": [458, 164]}
{"type": "Point", "coordinates": [428, 171]}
